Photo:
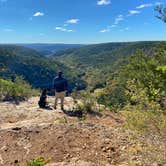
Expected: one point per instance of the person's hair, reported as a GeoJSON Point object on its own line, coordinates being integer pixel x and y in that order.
{"type": "Point", "coordinates": [60, 73]}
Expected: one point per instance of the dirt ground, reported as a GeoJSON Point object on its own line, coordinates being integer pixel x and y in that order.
{"type": "Point", "coordinates": [27, 132]}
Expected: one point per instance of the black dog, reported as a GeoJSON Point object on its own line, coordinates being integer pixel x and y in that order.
{"type": "Point", "coordinates": [43, 99]}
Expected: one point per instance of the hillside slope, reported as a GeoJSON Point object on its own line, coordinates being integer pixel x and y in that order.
{"type": "Point", "coordinates": [106, 54]}
{"type": "Point", "coordinates": [98, 64]}
{"type": "Point", "coordinates": [18, 50]}
{"type": "Point", "coordinates": [49, 49]}
{"type": "Point", "coordinates": [36, 69]}
{"type": "Point", "coordinates": [99, 61]}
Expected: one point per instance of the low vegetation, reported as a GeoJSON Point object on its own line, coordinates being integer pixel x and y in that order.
{"type": "Point", "coordinates": [140, 82]}
{"type": "Point", "coordinates": [40, 161]}
{"type": "Point", "coordinates": [145, 122]}
{"type": "Point", "coordinates": [18, 90]}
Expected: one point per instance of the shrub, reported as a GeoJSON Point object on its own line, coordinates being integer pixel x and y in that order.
{"type": "Point", "coordinates": [38, 162]}
{"type": "Point", "coordinates": [145, 121]}
{"type": "Point", "coordinates": [141, 82]}
{"type": "Point", "coordinates": [86, 102]}
{"type": "Point", "coordinates": [113, 96]}
{"type": "Point", "coordinates": [15, 91]}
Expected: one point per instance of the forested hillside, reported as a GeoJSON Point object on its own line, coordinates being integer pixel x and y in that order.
{"type": "Point", "coordinates": [104, 54]}
{"type": "Point", "coordinates": [28, 63]}
{"type": "Point", "coordinates": [90, 67]}
{"type": "Point", "coordinates": [49, 49]}
{"type": "Point", "coordinates": [18, 50]}
{"type": "Point", "coordinates": [96, 62]}
{"type": "Point", "coordinates": [117, 67]}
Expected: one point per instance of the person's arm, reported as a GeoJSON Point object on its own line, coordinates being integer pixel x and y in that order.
{"type": "Point", "coordinates": [66, 85]}
{"type": "Point", "coordinates": [66, 88]}
{"type": "Point", "coordinates": [53, 84]}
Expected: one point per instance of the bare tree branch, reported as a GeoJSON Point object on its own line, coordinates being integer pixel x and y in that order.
{"type": "Point", "coordinates": [161, 12]}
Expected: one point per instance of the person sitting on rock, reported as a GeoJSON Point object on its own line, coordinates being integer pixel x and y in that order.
{"type": "Point", "coordinates": [43, 99]}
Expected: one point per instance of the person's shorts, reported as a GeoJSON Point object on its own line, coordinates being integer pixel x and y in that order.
{"type": "Point", "coordinates": [60, 94]}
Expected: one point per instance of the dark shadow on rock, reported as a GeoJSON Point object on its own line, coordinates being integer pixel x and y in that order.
{"type": "Point", "coordinates": [80, 114]}
{"type": "Point", "coordinates": [13, 99]}
{"type": "Point", "coordinates": [46, 108]}
{"type": "Point", "coordinates": [94, 113]}
{"type": "Point", "coordinates": [16, 128]}
{"type": "Point", "coordinates": [76, 113]}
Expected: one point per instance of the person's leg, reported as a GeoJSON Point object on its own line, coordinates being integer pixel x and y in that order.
{"type": "Point", "coordinates": [62, 99]}
{"type": "Point", "coordinates": [62, 103]}
{"type": "Point", "coordinates": [56, 100]}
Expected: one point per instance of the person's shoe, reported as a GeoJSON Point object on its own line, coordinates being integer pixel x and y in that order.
{"type": "Point", "coordinates": [62, 109]}
{"type": "Point", "coordinates": [55, 107]}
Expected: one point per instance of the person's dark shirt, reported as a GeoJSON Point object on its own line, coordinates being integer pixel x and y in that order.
{"type": "Point", "coordinates": [60, 84]}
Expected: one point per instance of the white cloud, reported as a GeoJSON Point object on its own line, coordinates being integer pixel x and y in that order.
{"type": "Point", "coordinates": [146, 23]}
{"type": "Point", "coordinates": [63, 29]}
{"type": "Point", "coordinates": [66, 24]}
{"type": "Point", "coordinates": [113, 26]}
{"type": "Point", "coordinates": [125, 29]}
{"type": "Point", "coordinates": [41, 34]}
{"type": "Point", "coordinates": [158, 3]}
{"type": "Point", "coordinates": [38, 14]}
{"type": "Point", "coordinates": [3, 0]}
{"type": "Point", "coordinates": [72, 21]}
{"type": "Point", "coordinates": [105, 30]}
{"type": "Point", "coordinates": [132, 12]}
{"type": "Point", "coordinates": [103, 2]}
{"type": "Point", "coordinates": [118, 19]}
{"type": "Point", "coordinates": [8, 30]}
{"type": "Point", "coordinates": [120, 15]}
{"type": "Point", "coordinates": [60, 28]}
{"type": "Point", "coordinates": [144, 6]}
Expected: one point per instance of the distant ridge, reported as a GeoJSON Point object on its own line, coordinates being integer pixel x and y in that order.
{"type": "Point", "coordinates": [100, 55]}
{"type": "Point", "coordinates": [48, 49]}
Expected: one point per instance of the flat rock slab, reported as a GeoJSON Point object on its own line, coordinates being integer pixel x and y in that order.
{"type": "Point", "coordinates": [29, 114]}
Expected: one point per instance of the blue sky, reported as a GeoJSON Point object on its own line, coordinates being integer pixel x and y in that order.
{"type": "Point", "coordinates": [79, 21]}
